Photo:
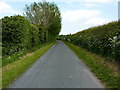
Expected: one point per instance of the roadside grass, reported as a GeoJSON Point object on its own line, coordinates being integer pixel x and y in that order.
{"type": "Point", "coordinates": [11, 71]}
{"type": "Point", "coordinates": [9, 59]}
{"type": "Point", "coordinates": [107, 72]}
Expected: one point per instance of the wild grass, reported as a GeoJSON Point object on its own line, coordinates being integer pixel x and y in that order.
{"type": "Point", "coordinates": [107, 72]}
{"type": "Point", "coordinates": [11, 58]}
{"type": "Point", "coordinates": [11, 71]}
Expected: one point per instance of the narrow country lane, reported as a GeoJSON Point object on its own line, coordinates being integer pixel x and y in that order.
{"type": "Point", "coordinates": [59, 67]}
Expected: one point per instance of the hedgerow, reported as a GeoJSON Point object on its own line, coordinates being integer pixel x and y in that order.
{"type": "Point", "coordinates": [103, 40]}
{"type": "Point", "coordinates": [15, 34]}
{"type": "Point", "coordinates": [40, 24]}
{"type": "Point", "coordinates": [34, 36]}
{"type": "Point", "coordinates": [19, 36]}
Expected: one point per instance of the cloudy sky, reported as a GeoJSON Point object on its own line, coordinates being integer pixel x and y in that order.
{"type": "Point", "coordinates": [77, 15]}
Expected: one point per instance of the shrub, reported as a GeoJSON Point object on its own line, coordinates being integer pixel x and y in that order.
{"type": "Point", "coordinates": [15, 34]}
{"type": "Point", "coordinates": [34, 36]}
{"type": "Point", "coordinates": [43, 35]}
{"type": "Point", "coordinates": [104, 40]}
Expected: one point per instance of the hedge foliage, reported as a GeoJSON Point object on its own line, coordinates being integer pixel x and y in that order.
{"type": "Point", "coordinates": [0, 39]}
{"type": "Point", "coordinates": [103, 40]}
{"type": "Point", "coordinates": [15, 34]}
{"type": "Point", "coordinates": [18, 34]}
{"type": "Point", "coordinates": [40, 24]}
{"type": "Point", "coordinates": [34, 31]}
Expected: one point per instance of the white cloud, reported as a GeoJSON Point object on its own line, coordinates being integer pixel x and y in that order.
{"type": "Point", "coordinates": [90, 5]}
{"type": "Point", "coordinates": [81, 19]}
{"type": "Point", "coordinates": [6, 10]}
{"type": "Point", "coordinates": [97, 21]}
{"type": "Point", "coordinates": [77, 15]}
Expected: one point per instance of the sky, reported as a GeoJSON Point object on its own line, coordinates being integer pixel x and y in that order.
{"type": "Point", "coordinates": [77, 15]}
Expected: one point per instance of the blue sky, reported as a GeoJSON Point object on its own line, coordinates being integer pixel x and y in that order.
{"type": "Point", "coordinates": [77, 15]}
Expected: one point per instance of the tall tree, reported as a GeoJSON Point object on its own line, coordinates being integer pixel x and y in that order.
{"type": "Point", "coordinates": [46, 15]}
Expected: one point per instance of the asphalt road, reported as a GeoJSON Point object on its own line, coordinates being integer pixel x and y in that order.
{"type": "Point", "coordinates": [59, 67]}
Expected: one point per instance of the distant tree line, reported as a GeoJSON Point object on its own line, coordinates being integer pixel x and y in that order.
{"type": "Point", "coordinates": [40, 24]}
{"type": "Point", "coordinates": [103, 40]}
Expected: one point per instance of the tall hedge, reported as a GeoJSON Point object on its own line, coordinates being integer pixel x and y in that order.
{"type": "Point", "coordinates": [43, 35]}
{"type": "Point", "coordinates": [0, 32]}
{"type": "Point", "coordinates": [35, 42]}
{"type": "Point", "coordinates": [103, 40]}
{"type": "Point", "coordinates": [15, 34]}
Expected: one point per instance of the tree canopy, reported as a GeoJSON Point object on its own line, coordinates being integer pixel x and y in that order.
{"type": "Point", "coordinates": [46, 15]}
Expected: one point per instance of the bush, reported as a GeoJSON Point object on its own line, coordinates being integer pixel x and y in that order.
{"type": "Point", "coordinates": [15, 34]}
{"type": "Point", "coordinates": [35, 42]}
{"type": "Point", "coordinates": [103, 40]}
{"type": "Point", "coordinates": [19, 36]}
{"type": "Point", "coordinates": [43, 35]}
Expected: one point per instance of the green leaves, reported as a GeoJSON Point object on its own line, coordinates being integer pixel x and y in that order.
{"type": "Point", "coordinates": [102, 40]}
{"type": "Point", "coordinates": [41, 25]}
{"type": "Point", "coordinates": [34, 31]}
{"type": "Point", "coordinates": [15, 34]}
{"type": "Point", "coordinates": [46, 15]}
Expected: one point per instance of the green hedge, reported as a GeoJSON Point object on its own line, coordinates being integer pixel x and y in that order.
{"type": "Point", "coordinates": [43, 35]}
{"type": "Point", "coordinates": [19, 36]}
{"type": "Point", "coordinates": [35, 36]}
{"type": "Point", "coordinates": [15, 34]}
{"type": "Point", "coordinates": [103, 40]}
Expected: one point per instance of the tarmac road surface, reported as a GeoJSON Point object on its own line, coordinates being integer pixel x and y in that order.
{"type": "Point", "coordinates": [59, 67]}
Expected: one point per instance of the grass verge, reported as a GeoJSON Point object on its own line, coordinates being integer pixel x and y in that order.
{"type": "Point", "coordinates": [12, 58]}
{"type": "Point", "coordinates": [110, 77]}
{"type": "Point", "coordinates": [9, 59]}
{"type": "Point", "coordinates": [11, 71]}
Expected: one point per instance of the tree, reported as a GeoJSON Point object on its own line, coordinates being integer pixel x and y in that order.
{"type": "Point", "coordinates": [46, 15]}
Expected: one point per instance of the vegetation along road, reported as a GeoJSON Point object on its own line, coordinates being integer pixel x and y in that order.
{"type": "Point", "coordinates": [58, 68]}
{"type": "Point", "coordinates": [26, 64]}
